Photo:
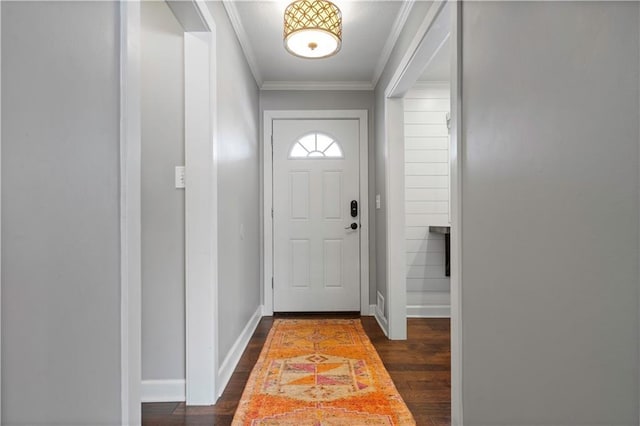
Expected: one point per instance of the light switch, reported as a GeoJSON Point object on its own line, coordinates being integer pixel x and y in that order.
{"type": "Point", "coordinates": [377, 201]}
{"type": "Point", "coordinates": [179, 178]}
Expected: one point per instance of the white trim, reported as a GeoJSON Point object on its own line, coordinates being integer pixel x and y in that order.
{"type": "Point", "coordinates": [364, 215]}
{"type": "Point", "coordinates": [455, 150]}
{"type": "Point", "coordinates": [267, 173]}
{"type": "Point", "coordinates": [382, 321]}
{"type": "Point", "coordinates": [317, 85]}
{"type": "Point", "coordinates": [396, 297]}
{"type": "Point", "coordinates": [267, 214]}
{"type": "Point", "coordinates": [163, 390]}
{"type": "Point", "coordinates": [394, 33]}
{"type": "Point", "coordinates": [243, 38]}
{"type": "Point", "coordinates": [235, 353]}
{"type": "Point", "coordinates": [429, 311]}
{"type": "Point", "coordinates": [130, 239]}
{"type": "Point", "coordinates": [201, 208]}
{"type": "Point", "coordinates": [0, 214]}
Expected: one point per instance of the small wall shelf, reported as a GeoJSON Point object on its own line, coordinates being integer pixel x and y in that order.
{"type": "Point", "coordinates": [446, 230]}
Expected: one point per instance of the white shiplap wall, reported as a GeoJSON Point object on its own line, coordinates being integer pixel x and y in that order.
{"type": "Point", "coordinates": [427, 197]}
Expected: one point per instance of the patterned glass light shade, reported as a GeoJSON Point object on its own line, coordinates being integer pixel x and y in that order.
{"type": "Point", "coordinates": [312, 28]}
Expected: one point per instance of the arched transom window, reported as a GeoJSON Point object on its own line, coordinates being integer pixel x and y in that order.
{"type": "Point", "coordinates": [316, 145]}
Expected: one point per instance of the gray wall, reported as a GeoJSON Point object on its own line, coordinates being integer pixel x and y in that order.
{"type": "Point", "coordinates": [163, 273]}
{"type": "Point", "coordinates": [550, 183]}
{"type": "Point", "coordinates": [60, 213]}
{"type": "Point", "coordinates": [315, 99]}
{"type": "Point", "coordinates": [416, 17]}
{"type": "Point", "coordinates": [238, 185]}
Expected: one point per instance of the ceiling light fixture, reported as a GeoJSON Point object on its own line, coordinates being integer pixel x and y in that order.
{"type": "Point", "coordinates": [312, 29]}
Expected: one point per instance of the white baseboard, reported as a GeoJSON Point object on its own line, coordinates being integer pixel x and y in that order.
{"type": "Point", "coordinates": [163, 390]}
{"type": "Point", "coordinates": [429, 311]}
{"type": "Point", "coordinates": [382, 321]}
{"type": "Point", "coordinates": [233, 357]}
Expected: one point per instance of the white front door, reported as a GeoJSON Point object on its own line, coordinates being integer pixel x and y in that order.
{"type": "Point", "coordinates": [315, 195]}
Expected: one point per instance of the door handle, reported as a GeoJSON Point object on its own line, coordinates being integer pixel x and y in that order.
{"type": "Point", "coordinates": [352, 226]}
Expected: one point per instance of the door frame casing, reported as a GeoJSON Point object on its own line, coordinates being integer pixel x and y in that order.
{"type": "Point", "coordinates": [201, 214]}
{"type": "Point", "coordinates": [431, 35]}
{"type": "Point", "coordinates": [267, 198]}
{"type": "Point", "coordinates": [130, 218]}
{"type": "Point", "coordinates": [428, 39]}
{"type": "Point", "coordinates": [130, 213]}
{"type": "Point", "coordinates": [201, 201]}
{"type": "Point", "coordinates": [456, 151]}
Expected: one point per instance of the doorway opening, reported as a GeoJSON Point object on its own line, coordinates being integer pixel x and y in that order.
{"type": "Point", "coordinates": [197, 102]}
{"type": "Point", "coordinates": [422, 125]}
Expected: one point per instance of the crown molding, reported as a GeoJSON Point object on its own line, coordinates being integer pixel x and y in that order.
{"type": "Point", "coordinates": [394, 33]}
{"type": "Point", "coordinates": [317, 85]}
{"type": "Point", "coordinates": [241, 34]}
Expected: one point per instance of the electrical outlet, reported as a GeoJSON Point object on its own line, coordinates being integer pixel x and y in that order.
{"type": "Point", "coordinates": [179, 177]}
{"type": "Point", "coordinates": [377, 201]}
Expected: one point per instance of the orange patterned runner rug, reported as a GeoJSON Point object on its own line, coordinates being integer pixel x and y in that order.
{"type": "Point", "coordinates": [320, 373]}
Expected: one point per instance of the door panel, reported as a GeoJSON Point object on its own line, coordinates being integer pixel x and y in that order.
{"type": "Point", "coordinates": [299, 187]}
{"type": "Point", "coordinates": [332, 195]}
{"type": "Point", "coordinates": [315, 178]}
{"type": "Point", "coordinates": [333, 263]}
{"type": "Point", "coordinates": [300, 263]}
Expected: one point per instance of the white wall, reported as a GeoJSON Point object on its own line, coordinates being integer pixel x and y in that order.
{"type": "Point", "coordinates": [312, 99]}
{"type": "Point", "coordinates": [163, 273]}
{"type": "Point", "coordinates": [426, 144]}
{"type": "Point", "coordinates": [238, 185]}
{"type": "Point", "coordinates": [60, 213]}
{"type": "Point", "coordinates": [550, 213]}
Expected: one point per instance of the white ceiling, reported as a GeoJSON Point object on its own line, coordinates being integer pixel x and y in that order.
{"type": "Point", "coordinates": [370, 29]}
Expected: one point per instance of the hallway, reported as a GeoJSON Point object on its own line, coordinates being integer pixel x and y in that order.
{"type": "Point", "coordinates": [419, 366]}
{"type": "Point", "coordinates": [138, 212]}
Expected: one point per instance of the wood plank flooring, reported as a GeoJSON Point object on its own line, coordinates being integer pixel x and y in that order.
{"type": "Point", "coordinates": [419, 366]}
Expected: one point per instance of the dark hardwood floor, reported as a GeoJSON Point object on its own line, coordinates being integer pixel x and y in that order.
{"type": "Point", "coordinates": [419, 366]}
